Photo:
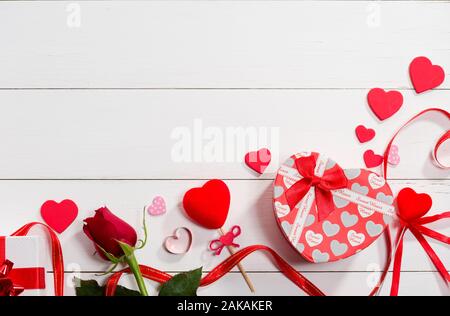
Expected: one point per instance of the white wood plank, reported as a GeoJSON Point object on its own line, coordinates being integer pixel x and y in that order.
{"type": "Point", "coordinates": [336, 284]}
{"type": "Point", "coordinates": [130, 134]}
{"type": "Point", "coordinates": [167, 44]}
{"type": "Point", "coordinates": [251, 208]}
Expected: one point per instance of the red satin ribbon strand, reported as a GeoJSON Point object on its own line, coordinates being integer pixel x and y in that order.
{"type": "Point", "coordinates": [230, 262]}
{"type": "Point", "coordinates": [436, 147]}
{"type": "Point", "coordinates": [431, 254]}
{"type": "Point", "coordinates": [57, 256]}
{"type": "Point", "coordinates": [441, 140]}
{"type": "Point", "coordinates": [397, 263]}
{"type": "Point", "coordinates": [432, 234]}
{"type": "Point", "coordinates": [222, 269]}
{"type": "Point", "coordinates": [432, 218]}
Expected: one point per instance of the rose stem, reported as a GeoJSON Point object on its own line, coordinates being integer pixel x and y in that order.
{"type": "Point", "coordinates": [240, 267]}
{"type": "Point", "coordinates": [134, 267]}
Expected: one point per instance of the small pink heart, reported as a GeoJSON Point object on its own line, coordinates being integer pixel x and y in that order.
{"type": "Point", "coordinates": [180, 242]}
{"type": "Point", "coordinates": [393, 157]}
{"type": "Point", "coordinates": [158, 206]}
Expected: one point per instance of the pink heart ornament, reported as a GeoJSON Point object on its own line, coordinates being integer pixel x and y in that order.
{"type": "Point", "coordinates": [158, 206]}
{"type": "Point", "coordinates": [180, 242]}
{"type": "Point", "coordinates": [393, 157]}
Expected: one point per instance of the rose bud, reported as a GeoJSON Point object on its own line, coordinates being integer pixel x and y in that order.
{"type": "Point", "coordinates": [105, 229]}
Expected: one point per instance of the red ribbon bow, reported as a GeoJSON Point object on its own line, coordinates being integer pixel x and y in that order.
{"type": "Point", "coordinates": [225, 240]}
{"type": "Point", "coordinates": [7, 287]}
{"type": "Point", "coordinates": [332, 179]}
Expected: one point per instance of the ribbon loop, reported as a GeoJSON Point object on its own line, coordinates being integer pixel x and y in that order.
{"type": "Point", "coordinates": [7, 287]}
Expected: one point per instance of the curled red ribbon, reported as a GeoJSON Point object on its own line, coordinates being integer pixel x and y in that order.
{"type": "Point", "coordinates": [7, 286]}
{"type": "Point", "coordinates": [416, 225]}
{"type": "Point", "coordinates": [331, 179]}
{"type": "Point", "coordinates": [56, 252]}
{"type": "Point", "coordinates": [225, 240]}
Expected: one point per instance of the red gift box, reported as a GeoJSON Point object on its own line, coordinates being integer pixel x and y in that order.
{"type": "Point", "coordinates": [26, 272]}
{"type": "Point", "coordinates": [328, 224]}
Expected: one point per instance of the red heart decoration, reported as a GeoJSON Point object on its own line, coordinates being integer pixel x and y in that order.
{"type": "Point", "coordinates": [384, 104]}
{"type": "Point", "coordinates": [208, 205]}
{"type": "Point", "coordinates": [424, 75]}
{"type": "Point", "coordinates": [412, 205]}
{"type": "Point", "coordinates": [371, 159]}
{"type": "Point", "coordinates": [364, 134]}
{"type": "Point", "coordinates": [258, 160]}
{"type": "Point", "coordinates": [59, 216]}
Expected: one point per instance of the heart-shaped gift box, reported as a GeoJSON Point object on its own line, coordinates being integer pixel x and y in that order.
{"type": "Point", "coordinates": [327, 213]}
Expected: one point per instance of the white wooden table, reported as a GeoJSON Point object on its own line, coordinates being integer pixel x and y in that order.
{"type": "Point", "coordinates": [93, 93]}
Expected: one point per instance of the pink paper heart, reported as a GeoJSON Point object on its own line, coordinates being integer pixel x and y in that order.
{"type": "Point", "coordinates": [393, 157]}
{"type": "Point", "coordinates": [180, 242]}
{"type": "Point", "coordinates": [158, 206]}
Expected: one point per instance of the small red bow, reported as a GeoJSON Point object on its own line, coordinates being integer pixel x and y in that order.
{"type": "Point", "coordinates": [225, 240]}
{"type": "Point", "coordinates": [7, 288]}
{"type": "Point", "coordinates": [411, 210]}
{"type": "Point", "coordinates": [332, 179]}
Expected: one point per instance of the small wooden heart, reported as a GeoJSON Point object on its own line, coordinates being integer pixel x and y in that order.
{"type": "Point", "coordinates": [180, 242]}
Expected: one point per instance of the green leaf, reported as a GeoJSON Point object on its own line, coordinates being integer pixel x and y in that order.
{"type": "Point", "coordinates": [92, 288]}
{"type": "Point", "coordinates": [87, 288]}
{"type": "Point", "coordinates": [182, 284]}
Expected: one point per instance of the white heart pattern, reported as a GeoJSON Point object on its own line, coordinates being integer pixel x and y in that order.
{"type": "Point", "coordinates": [313, 239]}
{"type": "Point", "coordinates": [365, 212]}
{"type": "Point", "coordinates": [376, 181]}
{"type": "Point", "coordinates": [282, 210]}
{"type": "Point", "coordinates": [354, 238]}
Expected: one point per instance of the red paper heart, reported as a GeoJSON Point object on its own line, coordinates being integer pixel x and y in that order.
{"type": "Point", "coordinates": [258, 160]}
{"type": "Point", "coordinates": [371, 159]}
{"type": "Point", "coordinates": [208, 205]}
{"type": "Point", "coordinates": [412, 205]}
{"type": "Point", "coordinates": [59, 216]}
{"type": "Point", "coordinates": [424, 75]}
{"type": "Point", "coordinates": [364, 134]}
{"type": "Point", "coordinates": [384, 104]}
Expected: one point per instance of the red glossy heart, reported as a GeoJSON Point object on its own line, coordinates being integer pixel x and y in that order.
{"type": "Point", "coordinates": [258, 160]}
{"type": "Point", "coordinates": [384, 104]}
{"type": "Point", "coordinates": [364, 134]}
{"type": "Point", "coordinates": [412, 205]}
{"type": "Point", "coordinates": [208, 205]}
{"type": "Point", "coordinates": [59, 216]}
{"type": "Point", "coordinates": [424, 75]}
{"type": "Point", "coordinates": [371, 159]}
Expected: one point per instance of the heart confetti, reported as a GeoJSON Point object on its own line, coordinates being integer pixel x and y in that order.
{"type": "Point", "coordinates": [59, 216]}
{"type": "Point", "coordinates": [393, 157]}
{"type": "Point", "coordinates": [384, 104]}
{"type": "Point", "coordinates": [424, 75]}
{"type": "Point", "coordinates": [158, 206]}
{"type": "Point", "coordinates": [371, 159]}
{"type": "Point", "coordinates": [364, 134]}
{"type": "Point", "coordinates": [258, 160]}
{"type": "Point", "coordinates": [180, 242]}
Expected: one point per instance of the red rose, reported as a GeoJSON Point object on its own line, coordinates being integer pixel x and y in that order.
{"type": "Point", "coordinates": [105, 229]}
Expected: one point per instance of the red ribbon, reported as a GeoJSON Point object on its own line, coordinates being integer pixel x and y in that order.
{"type": "Point", "coordinates": [225, 266]}
{"type": "Point", "coordinates": [22, 276]}
{"type": "Point", "coordinates": [416, 225]}
{"type": "Point", "coordinates": [332, 179]}
{"type": "Point", "coordinates": [225, 240]}
{"type": "Point", "coordinates": [7, 286]}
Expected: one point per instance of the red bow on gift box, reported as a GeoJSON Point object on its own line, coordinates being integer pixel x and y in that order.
{"type": "Point", "coordinates": [7, 287]}
{"type": "Point", "coordinates": [332, 179]}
